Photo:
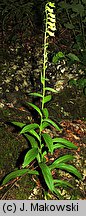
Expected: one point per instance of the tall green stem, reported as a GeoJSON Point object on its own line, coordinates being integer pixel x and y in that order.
{"type": "Point", "coordinates": [43, 73]}
{"type": "Point", "coordinates": [44, 59]}
{"type": "Point", "coordinates": [43, 78]}
{"type": "Point", "coordinates": [49, 30]}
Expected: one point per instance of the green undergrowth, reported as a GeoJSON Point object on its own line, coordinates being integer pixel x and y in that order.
{"type": "Point", "coordinates": [10, 149]}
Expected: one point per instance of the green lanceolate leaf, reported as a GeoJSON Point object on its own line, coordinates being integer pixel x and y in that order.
{"type": "Point", "coordinates": [47, 176]}
{"type": "Point", "coordinates": [18, 124]}
{"type": "Point", "coordinates": [50, 89]}
{"type": "Point", "coordinates": [47, 98]}
{"type": "Point", "coordinates": [48, 141]}
{"type": "Point", "coordinates": [33, 132]}
{"type": "Point", "coordinates": [30, 156]}
{"type": "Point", "coordinates": [69, 168]}
{"type": "Point", "coordinates": [73, 57]}
{"type": "Point", "coordinates": [65, 142]}
{"type": "Point", "coordinates": [36, 108]}
{"type": "Point", "coordinates": [32, 141]}
{"type": "Point", "coordinates": [45, 112]}
{"type": "Point", "coordinates": [29, 127]}
{"type": "Point", "coordinates": [62, 183]}
{"type": "Point", "coordinates": [56, 146]}
{"type": "Point", "coordinates": [17, 173]}
{"type": "Point", "coordinates": [52, 123]}
{"type": "Point", "coordinates": [62, 159]}
{"type": "Point", "coordinates": [36, 94]}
